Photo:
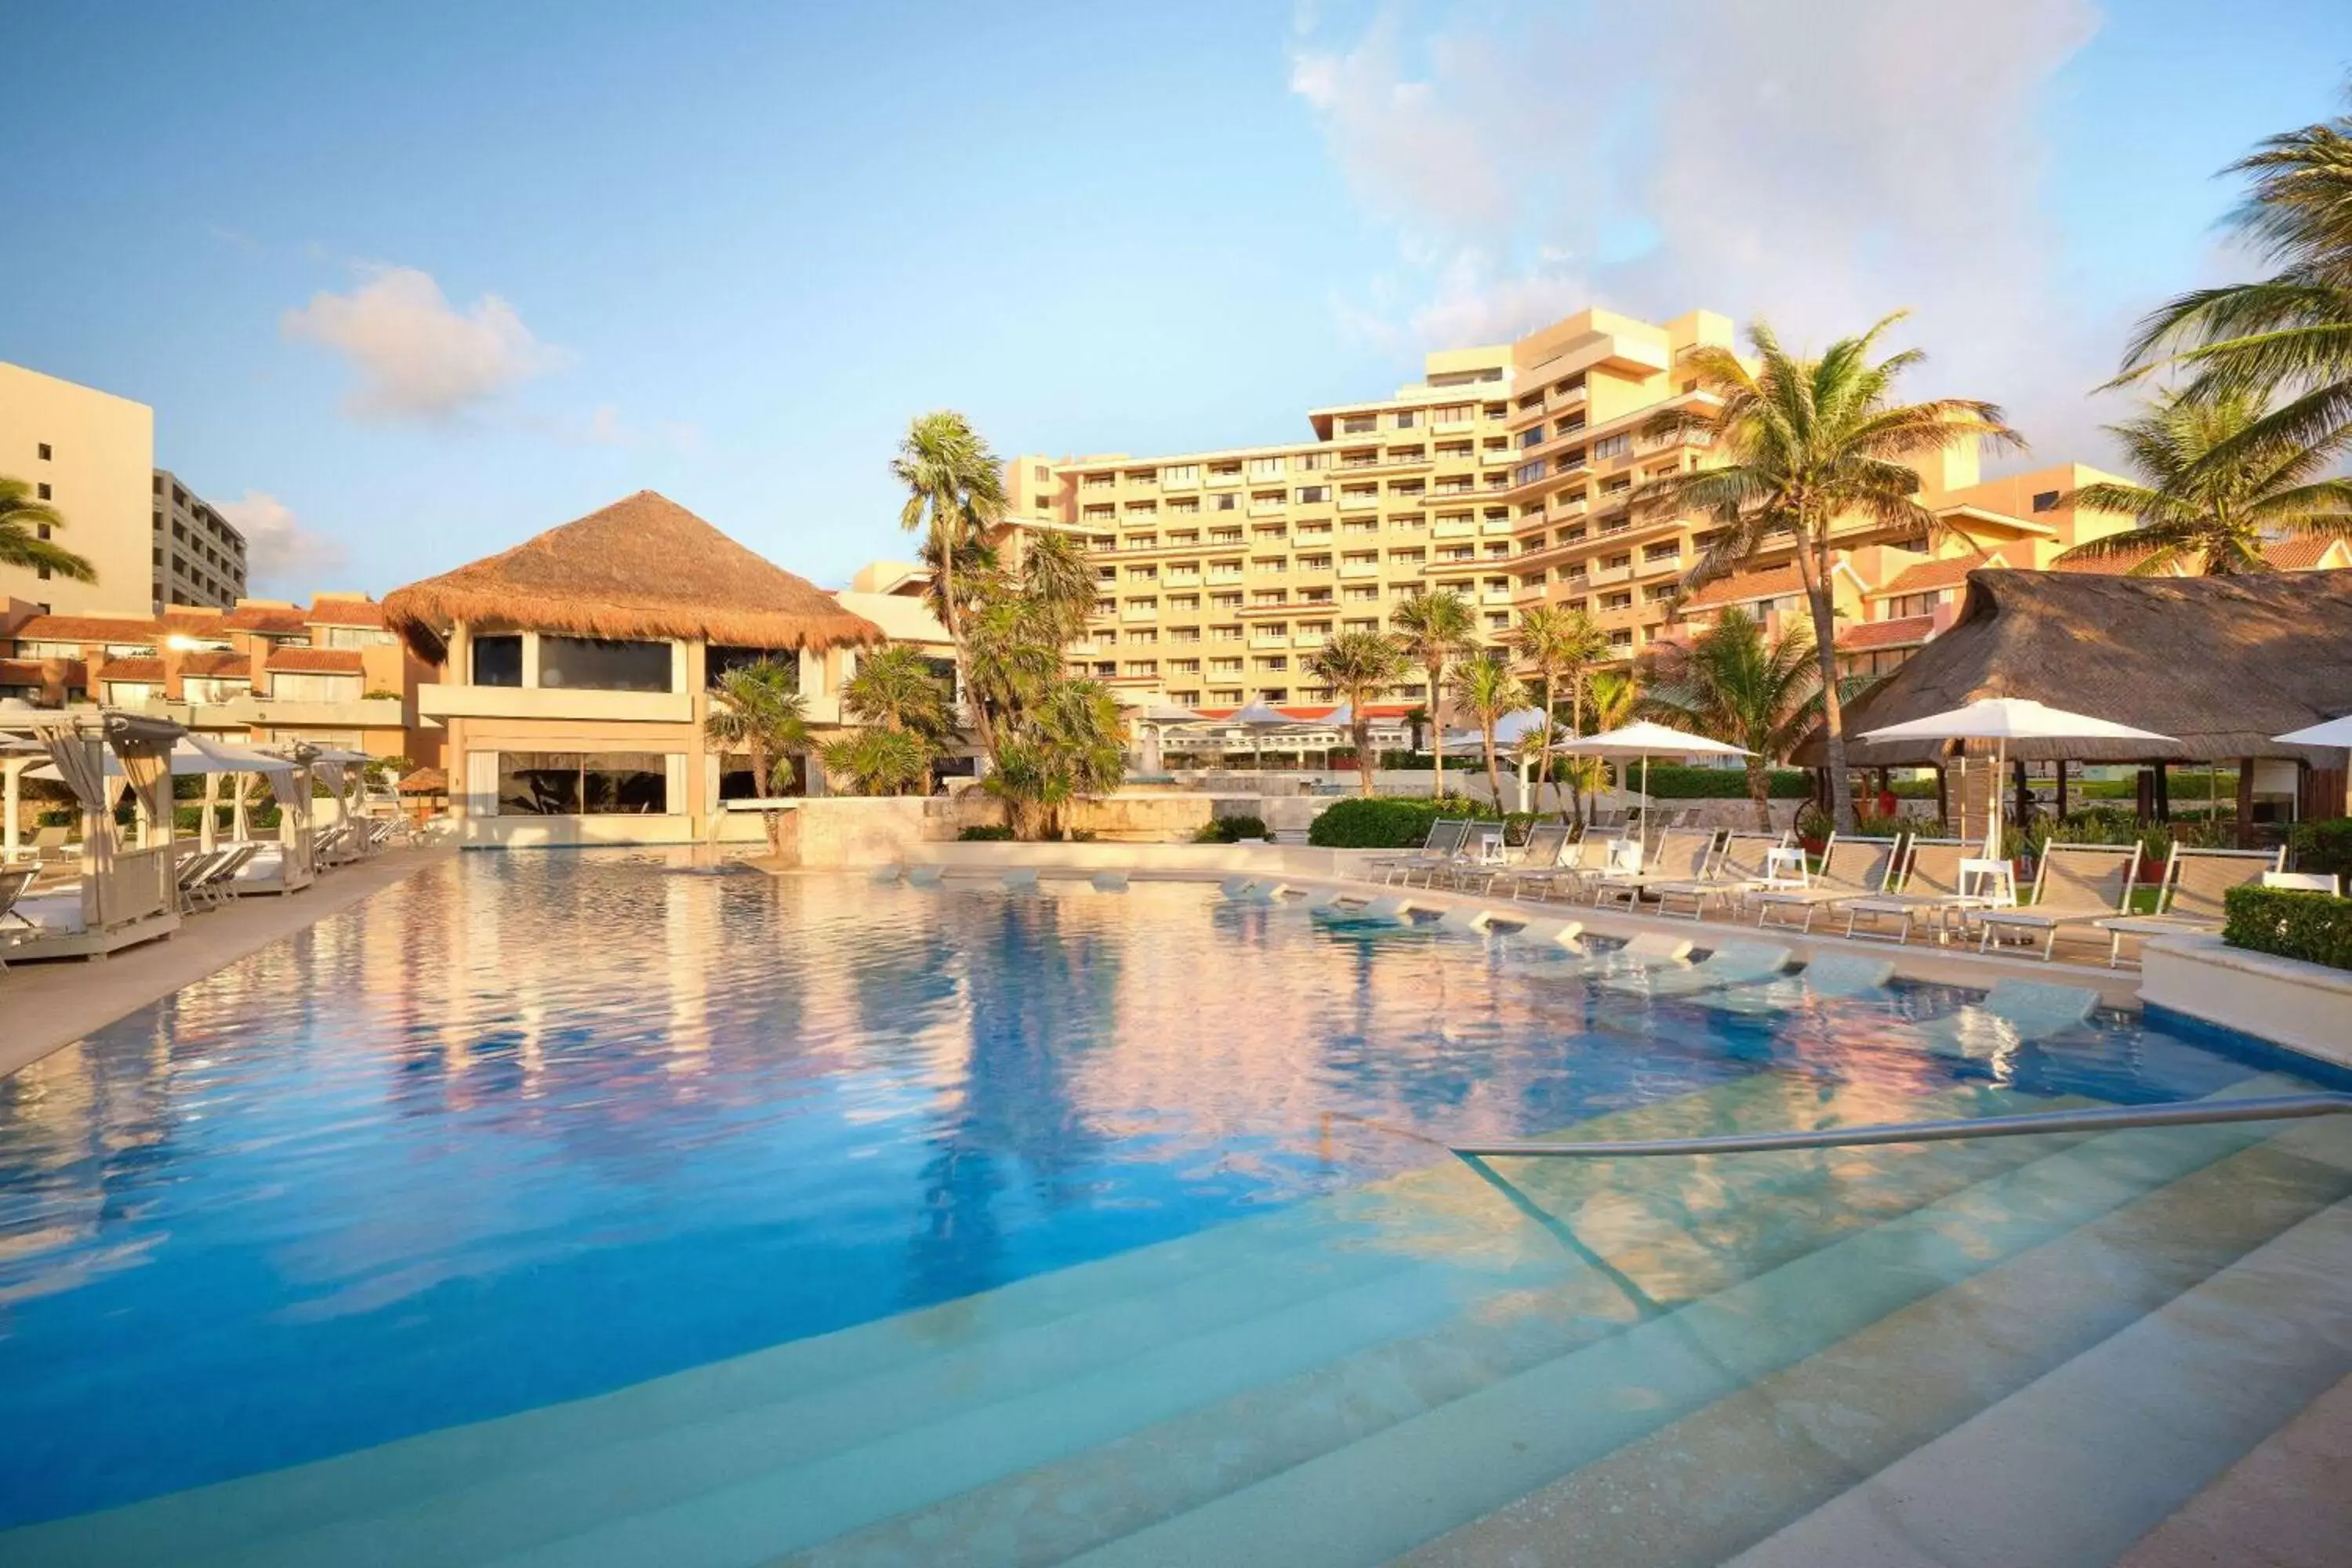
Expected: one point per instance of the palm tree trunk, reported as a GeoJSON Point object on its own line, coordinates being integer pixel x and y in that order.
{"type": "Point", "coordinates": [1550, 776]}
{"type": "Point", "coordinates": [1494, 775]}
{"type": "Point", "coordinates": [1576, 725]}
{"type": "Point", "coordinates": [1817, 595]}
{"type": "Point", "coordinates": [1359, 729]}
{"type": "Point", "coordinates": [1760, 790]}
{"type": "Point", "coordinates": [1436, 736]}
{"type": "Point", "coordinates": [773, 821]}
{"type": "Point", "coordinates": [981, 731]}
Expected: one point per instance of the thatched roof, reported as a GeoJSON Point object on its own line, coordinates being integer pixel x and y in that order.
{"type": "Point", "coordinates": [2220, 663]}
{"type": "Point", "coordinates": [643, 567]}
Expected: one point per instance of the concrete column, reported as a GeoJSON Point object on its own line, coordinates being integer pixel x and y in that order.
{"type": "Point", "coordinates": [11, 793]}
{"type": "Point", "coordinates": [531, 660]}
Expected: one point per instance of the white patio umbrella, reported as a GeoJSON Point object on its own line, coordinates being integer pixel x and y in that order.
{"type": "Point", "coordinates": [2001, 720]}
{"type": "Point", "coordinates": [2332, 733]}
{"type": "Point", "coordinates": [1261, 719]}
{"type": "Point", "coordinates": [1646, 740]}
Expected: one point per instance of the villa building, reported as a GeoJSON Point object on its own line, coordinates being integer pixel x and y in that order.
{"type": "Point", "coordinates": [89, 454]}
{"type": "Point", "coordinates": [577, 667]}
{"type": "Point", "coordinates": [264, 672]}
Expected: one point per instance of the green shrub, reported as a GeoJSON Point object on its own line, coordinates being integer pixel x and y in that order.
{"type": "Point", "coordinates": [1230, 830]}
{"type": "Point", "coordinates": [1674, 781]}
{"type": "Point", "coordinates": [2323, 845]}
{"type": "Point", "coordinates": [2314, 927]}
{"type": "Point", "coordinates": [986, 832]}
{"type": "Point", "coordinates": [1384, 823]}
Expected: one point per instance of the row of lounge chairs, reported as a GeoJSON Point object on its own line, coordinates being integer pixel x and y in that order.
{"type": "Point", "coordinates": [1885, 888]}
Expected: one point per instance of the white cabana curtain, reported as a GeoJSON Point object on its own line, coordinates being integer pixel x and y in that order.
{"type": "Point", "coordinates": [149, 769]}
{"type": "Point", "coordinates": [82, 767]}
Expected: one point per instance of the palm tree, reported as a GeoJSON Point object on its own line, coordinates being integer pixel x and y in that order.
{"type": "Point", "coordinates": [1434, 628]}
{"type": "Point", "coordinates": [894, 688]}
{"type": "Point", "coordinates": [1058, 573]}
{"type": "Point", "coordinates": [1559, 641]}
{"type": "Point", "coordinates": [881, 760]}
{"type": "Point", "coordinates": [1616, 697]}
{"type": "Point", "coordinates": [2290, 334]}
{"type": "Point", "coordinates": [26, 524]}
{"type": "Point", "coordinates": [1360, 666]}
{"type": "Point", "coordinates": [2218, 512]}
{"type": "Point", "coordinates": [1069, 746]}
{"type": "Point", "coordinates": [759, 709]}
{"type": "Point", "coordinates": [1735, 684]}
{"type": "Point", "coordinates": [1484, 685]}
{"type": "Point", "coordinates": [955, 492]}
{"type": "Point", "coordinates": [1807, 444]}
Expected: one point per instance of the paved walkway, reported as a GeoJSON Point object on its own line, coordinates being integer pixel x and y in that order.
{"type": "Point", "coordinates": [49, 1005]}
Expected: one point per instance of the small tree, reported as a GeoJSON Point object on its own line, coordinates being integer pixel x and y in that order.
{"type": "Point", "coordinates": [1734, 683]}
{"type": "Point", "coordinates": [758, 709]}
{"type": "Point", "coordinates": [894, 690]}
{"type": "Point", "coordinates": [1361, 666]}
{"type": "Point", "coordinates": [25, 526]}
{"type": "Point", "coordinates": [880, 761]}
{"type": "Point", "coordinates": [1485, 687]}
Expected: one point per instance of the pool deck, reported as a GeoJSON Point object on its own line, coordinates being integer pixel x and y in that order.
{"type": "Point", "coordinates": [47, 1005]}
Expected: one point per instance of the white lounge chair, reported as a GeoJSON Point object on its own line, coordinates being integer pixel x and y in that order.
{"type": "Point", "coordinates": [1547, 841]}
{"type": "Point", "coordinates": [1682, 856]}
{"type": "Point", "coordinates": [1647, 950]}
{"type": "Point", "coordinates": [1733, 963]}
{"type": "Point", "coordinates": [13, 882]}
{"type": "Point", "coordinates": [1743, 866]}
{"type": "Point", "coordinates": [1851, 867]}
{"type": "Point", "coordinates": [2193, 895]}
{"type": "Point", "coordinates": [2073, 884]}
{"type": "Point", "coordinates": [1932, 892]}
{"type": "Point", "coordinates": [1444, 841]}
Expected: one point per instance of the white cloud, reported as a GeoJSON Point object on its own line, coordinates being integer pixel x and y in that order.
{"type": "Point", "coordinates": [413, 354]}
{"type": "Point", "coordinates": [279, 547]}
{"type": "Point", "coordinates": [1819, 168]}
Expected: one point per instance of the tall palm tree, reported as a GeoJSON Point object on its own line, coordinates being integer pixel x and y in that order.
{"type": "Point", "coordinates": [1484, 685]}
{"type": "Point", "coordinates": [1734, 683]}
{"type": "Point", "coordinates": [25, 525]}
{"type": "Point", "coordinates": [1805, 446]}
{"type": "Point", "coordinates": [1360, 666]}
{"type": "Point", "coordinates": [1616, 696]}
{"type": "Point", "coordinates": [1560, 642]}
{"type": "Point", "coordinates": [955, 492]}
{"type": "Point", "coordinates": [2217, 512]}
{"type": "Point", "coordinates": [1434, 628]}
{"type": "Point", "coordinates": [894, 688]}
{"type": "Point", "coordinates": [2286, 339]}
{"type": "Point", "coordinates": [759, 709]}
{"type": "Point", "coordinates": [1057, 571]}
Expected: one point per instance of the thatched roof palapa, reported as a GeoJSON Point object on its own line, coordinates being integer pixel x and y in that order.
{"type": "Point", "coordinates": [2220, 663]}
{"type": "Point", "coordinates": [643, 567]}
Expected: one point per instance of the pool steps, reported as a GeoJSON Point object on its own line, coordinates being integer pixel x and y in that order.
{"type": "Point", "coordinates": [1991, 1200]}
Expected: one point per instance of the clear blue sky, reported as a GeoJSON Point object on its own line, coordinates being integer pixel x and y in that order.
{"type": "Point", "coordinates": [738, 246]}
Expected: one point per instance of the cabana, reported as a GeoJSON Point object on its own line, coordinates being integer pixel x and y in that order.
{"type": "Point", "coordinates": [2221, 664]}
{"type": "Point", "coordinates": [127, 893]}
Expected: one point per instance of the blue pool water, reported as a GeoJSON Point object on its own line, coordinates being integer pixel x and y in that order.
{"type": "Point", "coordinates": [530, 1128]}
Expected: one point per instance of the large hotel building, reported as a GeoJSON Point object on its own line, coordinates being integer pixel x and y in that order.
{"type": "Point", "coordinates": [1503, 474]}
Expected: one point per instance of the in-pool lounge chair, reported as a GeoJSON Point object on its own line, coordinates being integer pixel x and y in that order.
{"type": "Point", "coordinates": [2013, 1012]}
{"type": "Point", "coordinates": [2074, 884]}
{"type": "Point", "coordinates": [1829, 978]}
{"type": "Point", "coordinates": [1444, 842]}
{"type": "Point", "coordinates": [1683, 855]}
{"type": "Point", "coordinates": [1649, 949]}
{"type": "Point", "coordinates": [1734, 964]}
{"type": "Point", "coordinates": [1932, 891]}
{"type": "Point", "coordinates": [1743, 867]}
{"type": "Point", "coordinates": [1852, 866]}
{"type": "Point", "coordinates": [2192, 896]}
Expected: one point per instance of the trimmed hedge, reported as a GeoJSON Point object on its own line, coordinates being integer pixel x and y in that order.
{"type": "Point", "coordinates": [1383, 822]}
{"type": "Point", "coordinates": [1677, 781]}
{"type": "Point", "coordinates": [1232, 830]}
{"type": "Point", "coordinates": [2323, 845]}
{"type": "Point", "coordinates": [985, 833]}
{"type": "Point", "coordinates": [2314, 927]}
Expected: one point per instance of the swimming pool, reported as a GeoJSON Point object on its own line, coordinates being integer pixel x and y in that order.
{"type": "Point", "coordinates": [567, 1207]}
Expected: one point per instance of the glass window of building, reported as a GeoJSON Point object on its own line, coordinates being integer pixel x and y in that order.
{"type": "Point", "coordinates": [603, 664]}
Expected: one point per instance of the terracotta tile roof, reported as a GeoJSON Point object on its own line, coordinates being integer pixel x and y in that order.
{"type": "Point", "coordinates": [2298, 554]}
{"type": "Point", "coordinates": [201, 619]}
{"type": "Point", "coordinates": [278, 620]}
{"type": "Point", "coordinates": [90, 628]}
{"type": "Point", "coordinates": [1930, 574]}
{"type": "Point", "coordinates": [217, 666]}
{"type": "Point", "coordinates": [1903, 633]}
{"type": "Point", "coordinates": [1742, 587]}
{"type": "Point", "coordinates": [317, 660]}
{"type": "Point", "coordinates": [147, 669]}
{"type": "Point", "coordinates": [345, 610]}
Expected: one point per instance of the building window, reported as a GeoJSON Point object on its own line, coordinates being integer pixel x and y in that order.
{"type": "Point", "coordinates": [357, 637]}
{"type": "Point", "coordinates": [603, 664]}
{"type": "Point", "coordinates": [2046, 502]}
{"type": "Point", "coordinates": [313, 685]}
{"type": "Point", "coordinates": [498, 660]}
{"type": "Point", "coordinates": [576, 784]}
{"type": "Point", "coordinates": [45, 451]}
{"type": "Point", "coordinates": [1405, 418]}
{"type": "Point", "coordinates": [41, 492]}
{"type": "Point", "coordinates": [1612, 446]}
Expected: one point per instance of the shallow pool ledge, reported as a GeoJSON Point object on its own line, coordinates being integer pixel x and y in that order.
{"type": "Point", "coordinates": [2305, 1006]}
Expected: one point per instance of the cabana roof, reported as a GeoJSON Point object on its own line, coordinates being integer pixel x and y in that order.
{"type": "Point", "coordinates": [643, 567]}
{"type": "Point", "coordinates": [2222, 663]}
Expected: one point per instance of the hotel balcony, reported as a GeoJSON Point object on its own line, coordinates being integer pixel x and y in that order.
{"type": "Point", "coordinates": [1459, 528]}
{"type": "Point", "coordinates": [1359, 569]}
{"type": "Point", "coordinates": [1349, 502]}
{"type": "Point", "coordinates": [1602, 577]}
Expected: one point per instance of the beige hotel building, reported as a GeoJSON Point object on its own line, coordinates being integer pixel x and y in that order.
{"type": "Point", "coordinates": [1503, 474]}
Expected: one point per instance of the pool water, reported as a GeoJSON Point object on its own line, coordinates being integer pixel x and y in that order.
{"type": "Point", "coordinates": [539, 1162]}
